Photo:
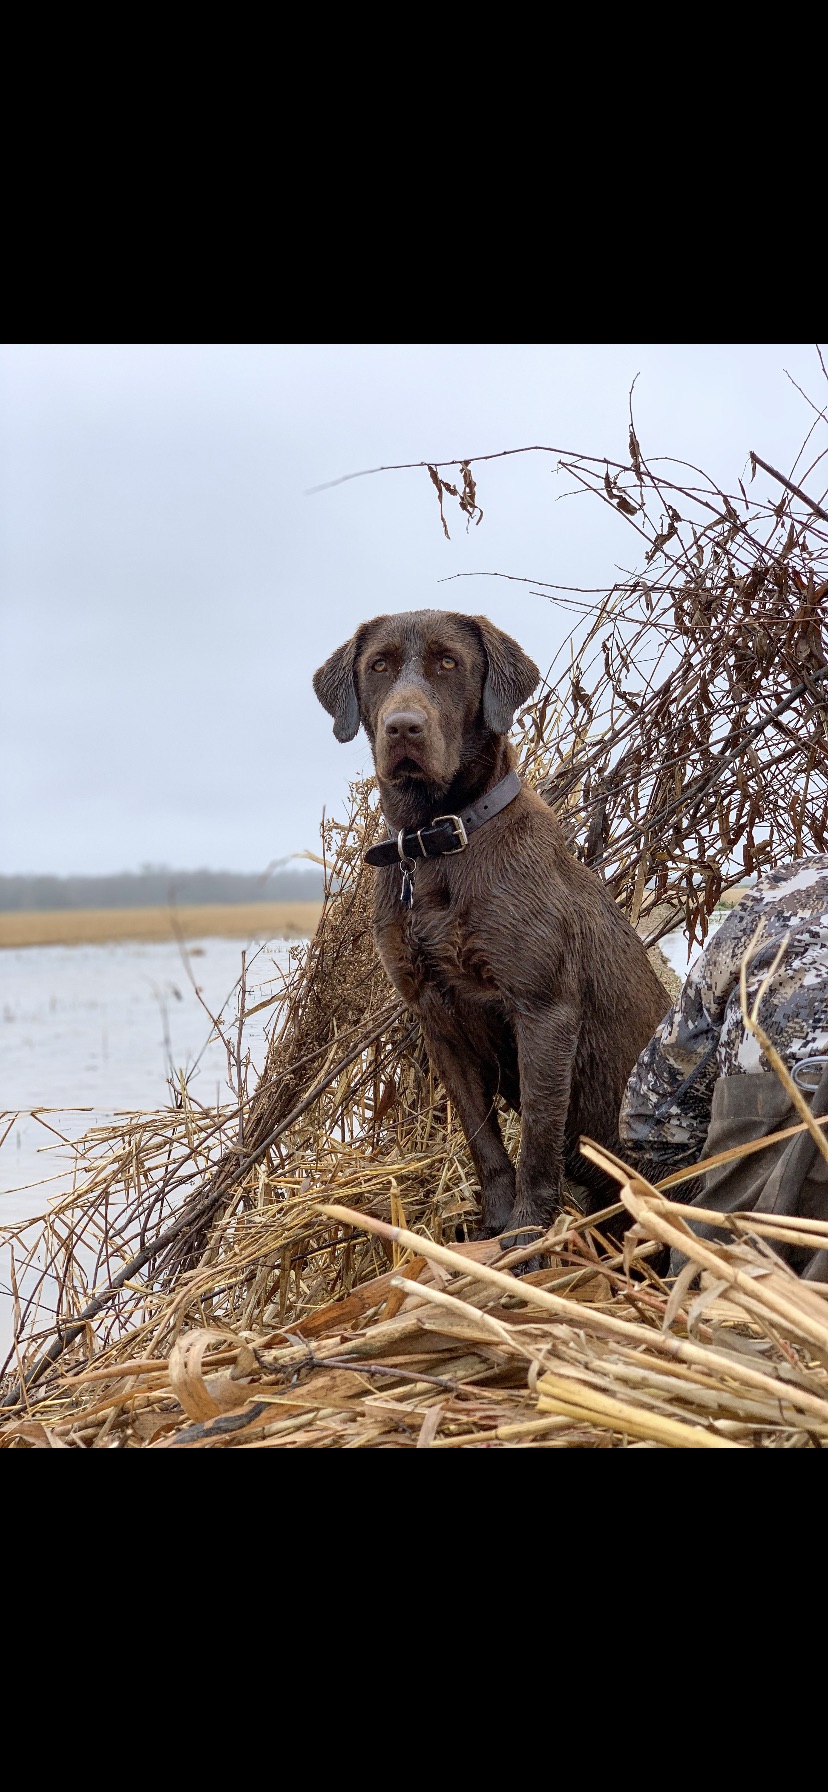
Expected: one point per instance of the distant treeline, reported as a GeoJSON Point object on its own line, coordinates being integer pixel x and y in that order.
{"type": "Point", "coordinates": [156, 886]}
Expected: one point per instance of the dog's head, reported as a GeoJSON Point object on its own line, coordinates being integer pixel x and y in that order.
{"type": "Point", "coordinates": [428, 686]}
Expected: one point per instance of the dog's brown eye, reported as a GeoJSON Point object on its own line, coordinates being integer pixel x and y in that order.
{"type": "Point", "coordinates": [378, 666]}
{"type": "Point", "coordinates": [447, 663]}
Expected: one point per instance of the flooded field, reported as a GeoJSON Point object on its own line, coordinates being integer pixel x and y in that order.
{"type": "Point", "coordinates": [102, 1028]}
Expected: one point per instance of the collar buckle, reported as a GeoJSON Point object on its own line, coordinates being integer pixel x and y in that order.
{"type": "Point", "coordinates": [459, 831]}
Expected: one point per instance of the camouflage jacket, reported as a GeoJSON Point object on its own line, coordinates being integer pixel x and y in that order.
{"type": "Point", "coordinates": [665, 1113]}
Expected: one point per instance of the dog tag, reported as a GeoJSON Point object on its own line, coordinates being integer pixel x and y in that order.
{"type": "Point", "coordinates": [407, 868]}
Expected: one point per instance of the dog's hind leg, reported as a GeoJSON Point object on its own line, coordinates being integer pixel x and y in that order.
{"type": "Point", "coordinates": [546, 1042]}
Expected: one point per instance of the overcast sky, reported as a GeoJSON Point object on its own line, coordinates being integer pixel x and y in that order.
{"type": "Point", "coordinates": [168, 589]}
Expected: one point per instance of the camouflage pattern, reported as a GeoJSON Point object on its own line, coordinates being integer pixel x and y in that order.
{"type": "Point", "coordinates": [665, 1113]}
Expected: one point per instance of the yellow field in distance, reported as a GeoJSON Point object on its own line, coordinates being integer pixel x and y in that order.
{"type": "Point", "coordinates": [225, 920]}
{"type": "Point", "coordinates": [219, 920]}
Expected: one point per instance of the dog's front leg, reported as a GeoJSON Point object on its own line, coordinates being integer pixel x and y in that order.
{"type": "Point", "coordinates": [546, 1042]}
{"type": "Point", "coordinates": [474, 1100]}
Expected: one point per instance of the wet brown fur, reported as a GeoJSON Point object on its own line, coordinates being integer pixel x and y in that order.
{"type": "Point", "coordinates": [528, 981]}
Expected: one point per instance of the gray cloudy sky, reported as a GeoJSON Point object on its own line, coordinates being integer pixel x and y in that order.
{"type": "Point", "coordinates": [168, 589]}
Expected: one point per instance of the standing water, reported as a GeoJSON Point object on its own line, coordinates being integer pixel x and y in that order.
{"type": "Point", "coordinates": [90, 1031]}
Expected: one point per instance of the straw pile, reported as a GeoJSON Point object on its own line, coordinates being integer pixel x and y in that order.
{"type": "Point", "coordinates": [295, 1270]}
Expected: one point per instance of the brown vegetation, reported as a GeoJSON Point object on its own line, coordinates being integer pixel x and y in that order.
{"type": "Point", "coordinates": [293, 1272]}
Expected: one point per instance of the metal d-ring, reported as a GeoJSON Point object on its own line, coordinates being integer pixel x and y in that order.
{"type": "Point", "coordinates": [815, 1065]}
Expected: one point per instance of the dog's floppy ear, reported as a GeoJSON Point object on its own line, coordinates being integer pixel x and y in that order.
{"type": "Point", "coordinates": [510, 679]}
{"type": "Point", "coordinates": [335, 686]}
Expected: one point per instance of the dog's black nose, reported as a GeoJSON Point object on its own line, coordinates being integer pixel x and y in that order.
{"type": "Point", "coordinates": [405, 724]}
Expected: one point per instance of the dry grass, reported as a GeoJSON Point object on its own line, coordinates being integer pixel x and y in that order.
{"type": "Point", "coordinates": [444, 1350]}
{"type": "Point", "coordinates": [295, 1270]}
{"type": "Point", "coordinates": [224, 920]}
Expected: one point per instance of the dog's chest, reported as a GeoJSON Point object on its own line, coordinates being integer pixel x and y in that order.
{"type": "Point", "coordinates": [435, 946]}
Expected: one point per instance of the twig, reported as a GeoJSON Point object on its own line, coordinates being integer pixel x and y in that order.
{"type": "Point", "coordinates": [410, 466]}
{"type": "Point", "coordinates": [796, 489]}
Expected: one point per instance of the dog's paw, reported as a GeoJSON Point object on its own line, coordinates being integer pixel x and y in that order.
{"type": "Point", "coordinates": [518, 1235]}
{"type": "Point", "coordinates": [497, 1203]}
{"type": "Point", "coordinates": [519, 1241]}
{"type": "Point", "coordinates": [529, 1265]}
{"type": "Point", "coordinates": [512, 1240]}
{"type": "Point", "coordinates": [528, 1268]}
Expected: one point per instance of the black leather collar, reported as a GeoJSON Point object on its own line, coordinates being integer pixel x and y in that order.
{"type": "Point", "coordinates": [445, 834]}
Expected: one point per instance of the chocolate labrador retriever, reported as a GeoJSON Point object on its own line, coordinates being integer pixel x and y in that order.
{"type": "Point", "coordinates": [527, 980]}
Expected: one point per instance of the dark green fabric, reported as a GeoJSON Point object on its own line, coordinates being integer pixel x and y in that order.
{"type": "Point", "coordinates": [788, 1178]}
